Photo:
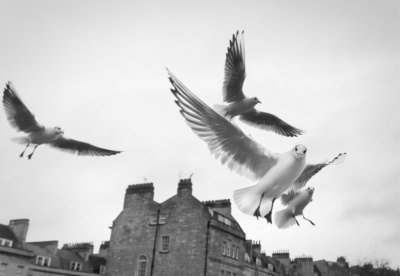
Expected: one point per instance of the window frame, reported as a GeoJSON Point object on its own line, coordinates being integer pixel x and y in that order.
{"type": "Point", "coordinates": [142, 260]}
{"type": "Point", "coordinates": [102, 270]}
{"type": "Point", "coordinates": [76, 266]}
{"type": "Point", "coordinates": [5, 266]}
{"type": "Point", "coordinates": [43, 261]}
{"type": "Point", "coordinates": [6, 242]}
{"type": "Point", "coordinates": [165, 245]}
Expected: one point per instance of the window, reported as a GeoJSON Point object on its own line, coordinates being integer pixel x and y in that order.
{"type": "Point", "coordinates": [258, 261]}
{"type": "Point", "coordinates": [102, 269]}
{"type": "Point", "coordinates": [247, 257]}
{"type": "Point", "coordinates": [44, 261]}
{"type": "Point", "coordinates": [224, 220]}
{"type": "Point", "coordinates": [153, 219]}
{"type": "Point", "coordinates": [75, 266]}
{"type": "Point", "coordinates": [3, 269]}
{"type": "Point", "coordinates": [162, 219]}
{"type": "Point", "coordinates": [19, 271]}
{"type": "Point", "coordinates": [228, 253]}
{"type": "Point", "coordinates": [228, 273]}
{"type": "Point", "coordinates": [142, 266]}
{"type": "Point", "coordinates": [222, 273]}
{"type": "Point", "coordinates": [224, 248]}
{"type": "Point", "coordinates": [5, 242]}
{"type": "Point", "coordinates": [165, 244]}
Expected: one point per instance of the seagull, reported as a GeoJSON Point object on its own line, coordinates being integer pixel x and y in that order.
{"type": "Point", "coordinates": [295, 202]}
{"type": "Point", "coordinates": [21, 119]}
{"type": "Point", "coordinates": [274, 172]}
{"type": "Point", "coordinates": [237, 104]}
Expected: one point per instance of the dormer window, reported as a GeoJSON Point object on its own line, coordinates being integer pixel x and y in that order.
{"type": "Point", "coordinates": [75, 266]}
{"type": "Point", "coordinates": [224, 220]}
{"type": "Point", "coordinates": [43, 261]}
{"type": "Point", "coordinates": [6, 242]}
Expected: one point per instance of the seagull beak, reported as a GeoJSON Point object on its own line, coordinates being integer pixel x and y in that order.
{"type": "Point", "coordinates": [258, 101]}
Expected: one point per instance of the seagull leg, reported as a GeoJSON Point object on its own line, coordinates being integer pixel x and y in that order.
{"type": "Point", "coordinates": [30, 155]}
{"type": "Point", "coordinates": [296, 220]}
{"type": "Point", "coordinates": [257, 211]}
{"type": "Point", "coordinates": [268, 216]}
{"type": "Point", "coordinates": [22, 153]}
{"type": "Point", "coordinates": [308, 220]}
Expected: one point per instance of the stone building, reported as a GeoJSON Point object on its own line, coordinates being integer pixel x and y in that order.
{"type": "Point", "coordinates": [180, 236]}
{"type": "Point", "coordinates": [21, 258]}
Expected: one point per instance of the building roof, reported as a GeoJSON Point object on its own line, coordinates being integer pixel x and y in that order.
{"type": "Point", "coordinates": [7, 233]}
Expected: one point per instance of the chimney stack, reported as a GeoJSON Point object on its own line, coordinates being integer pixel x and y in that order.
{"type": "Point", "coordinates": [142, 192]}
{"type": "Point", "coordinates": [20, 228]}
{"type": "Point", "coordinates": [185, 187]}
{"type": "Point", "coordinates": [222, 206]}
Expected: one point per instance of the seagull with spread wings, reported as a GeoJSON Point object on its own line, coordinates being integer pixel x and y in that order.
{"type": "Point", "coordinates": [21, 119]}
{"type": "Point", "coordinates": [237, 104]}
{"type": "Point", "coordinates": [295, 202]}
{"type": "Point", "coordinates": [275, 173]}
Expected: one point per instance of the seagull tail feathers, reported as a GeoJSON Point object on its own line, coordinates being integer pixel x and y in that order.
{"type": "Point", "coordinates": [284, 219]}
{"type": "Point", "coordinates": [20, 140]}
{"type": "Point", "coordinates": [247, 200]}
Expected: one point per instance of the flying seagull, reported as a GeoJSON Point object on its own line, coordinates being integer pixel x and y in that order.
{"type": "Point", "coordinates": [22, 119]}
{"type": "Point", "coordinates": [295, 202]}
{"type": "Point", "coordinates": [275, 173]}
{"type": "Point", "coordinates": [237, 104]}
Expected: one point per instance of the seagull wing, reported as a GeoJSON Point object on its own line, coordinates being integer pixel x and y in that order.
{"type": "Point", "coordinates": [269, 122]}
{"type": "Point", "coordinates": [82, 148]}
{"type": "Point", "coordinates": [310, 170]}
{"type": "Point", "coordinates": [235, 70]}
{"type": "Point", "coordinates": [224, 140]}
{"type": "Point", "coordinates": [287, 198]}
{"type": "Point", "coordinates": [17, 113]}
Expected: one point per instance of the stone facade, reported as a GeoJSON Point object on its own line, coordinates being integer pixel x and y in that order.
{"type": "Point", "coordinates": [181, 236]}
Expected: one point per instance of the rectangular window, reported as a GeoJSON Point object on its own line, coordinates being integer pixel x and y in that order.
{"type": "Point", "coordinates": [75, 266]}
{"type": "Point", "coordinates": [224, 220]}
{"type": "Point", "coordinates": [165, 244]}
{"type": "Point", "coordinates": [3, 269]}
{"type": "Point", "coordinates": [258, 261]}
{"type": "Point", "coordinates": [247, 257]}
{"type": "Point", "coordinates": [20, 269]}
{"type": "Point", "coordinates": [222, 273]}
{"type": "Point", "coordinates": [228, 273]}
{"type": "Point", "coordinates": [228, 250]}
{"type": "Point", "coordinates": [153, 219]}
{"type": "Point", "coordinates": [224, 248]}
{"type": "Point", "coordinates": [44, 261]}
{"type": "Point", "coordinates": [162, 219]}
{"type": "Point", "coordinates": [102, 270]}
{"type": "Point", "coordinates": [6, 242]}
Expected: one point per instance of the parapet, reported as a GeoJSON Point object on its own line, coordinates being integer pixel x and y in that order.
{"type": "Point", "coordinates": [78, 246]}
{"type": "Point", "coordinates": [220, 203]}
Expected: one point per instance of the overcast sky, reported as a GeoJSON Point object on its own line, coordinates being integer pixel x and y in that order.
{"type": "Point", "coordinates": [97, 69]}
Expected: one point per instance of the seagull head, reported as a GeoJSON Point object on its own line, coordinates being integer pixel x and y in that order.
{"type": "Point", "coordinates": [310, 190]}
{"type": "Point", "coordinates": [299, 151]}
{"type": "Point", "coordinates": [59, 130]}
{"type": "Point", "coordinates": [255, 100]}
